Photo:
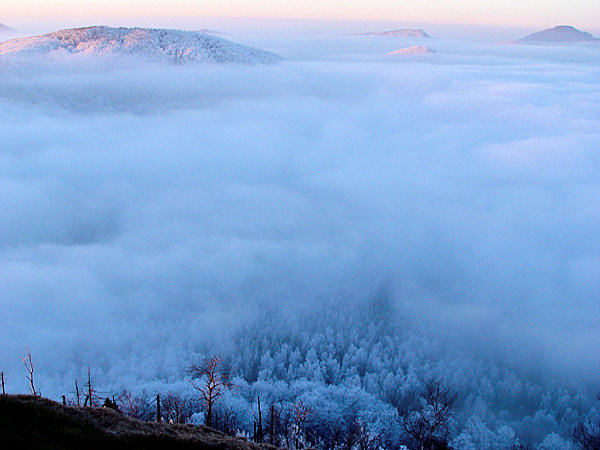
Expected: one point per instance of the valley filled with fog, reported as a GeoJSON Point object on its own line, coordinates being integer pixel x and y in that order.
{"type": "Point", "coordinates": [341, 227]}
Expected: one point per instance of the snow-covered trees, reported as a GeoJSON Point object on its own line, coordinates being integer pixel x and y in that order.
{"type": "Point", "coordinates": [587, 432]}
{"type": "Point", "coordinates": [352, 379]}
{"type": "Point", "coordinates": [354, 364]}
{"type": "Point", "coordinates": [554, 442]}
{"type": "Point", "coordinates": [477, 435]}
{"type": "Point", "coordinates": [428, 425]}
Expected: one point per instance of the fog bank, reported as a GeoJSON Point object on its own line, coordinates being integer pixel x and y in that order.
{"type": "Point", "coordinates": [150, 211]}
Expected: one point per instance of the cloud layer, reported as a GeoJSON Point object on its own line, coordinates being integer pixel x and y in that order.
{"type": "Point", "coordinates": [148, 211]}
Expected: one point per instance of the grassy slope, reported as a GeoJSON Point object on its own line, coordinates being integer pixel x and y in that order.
{"type": "Point", "coordinates": [38, 423]}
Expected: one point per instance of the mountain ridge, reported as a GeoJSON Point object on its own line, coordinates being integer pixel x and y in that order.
{"type": "Point", "coordinates": [404, 32]}
{"type": "Point", "coordinates": [558, 34]}
{"type": "Point", "coordinates": [173, 46]}
{"type": "Point", "coordinates": [6, 29]}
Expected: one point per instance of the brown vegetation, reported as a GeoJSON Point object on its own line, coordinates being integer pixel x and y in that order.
{"type": "Point", "coordinates": [35, 422]}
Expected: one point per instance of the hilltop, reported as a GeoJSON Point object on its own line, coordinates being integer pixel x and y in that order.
{"type": "Point", "coordinates": [408, 32]}
{"type": "Point", "coordinates": [560, 34]}
{"type": "Point", "coordinates": [159, 45]}
{"type": "Point", "coordinates": [414, 50]}
{"type": "Point", "coordinates": [38, 423]}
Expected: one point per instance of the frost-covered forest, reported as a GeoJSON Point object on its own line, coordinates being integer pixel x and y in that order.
{"type": "Point", "coordinates": [360, 374]}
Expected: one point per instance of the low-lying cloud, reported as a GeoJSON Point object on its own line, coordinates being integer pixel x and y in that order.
{"type": "Point", "coordinates": [148, 211]}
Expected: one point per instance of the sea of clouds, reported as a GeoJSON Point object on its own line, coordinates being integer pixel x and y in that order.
{"type": "Point", "coordinates": [149, 211]}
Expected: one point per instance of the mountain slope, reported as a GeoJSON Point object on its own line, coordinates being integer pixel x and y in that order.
{"type": "Point", "coordinates": [560, 34]}
{"type": "Point", "coordinates": [38, 423]}
{"type": "Point", "coordinates": [174, 46]}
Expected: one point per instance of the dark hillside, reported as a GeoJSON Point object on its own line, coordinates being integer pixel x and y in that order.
{"type": "Point", "coordinates": [38, 423]}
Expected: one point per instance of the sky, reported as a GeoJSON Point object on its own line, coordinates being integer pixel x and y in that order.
{"type": "Point", "coordinates": [530, 13]}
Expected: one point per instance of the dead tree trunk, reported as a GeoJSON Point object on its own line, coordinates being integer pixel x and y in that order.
{"type": "Point", "coordinates": [272, 427]}
{"type": "Point", "coordinates": [77, 393]}
{"type": "Point", "coordinates": [158, 419]}
{"type": "Point", "coordinates": [3, 391]}
{"type": "Point", "coordinates": [259, 437]}
{"type": "Point", "coordinates": [28, 363]}
{"type": "Point", "coordinates": [89, 386]}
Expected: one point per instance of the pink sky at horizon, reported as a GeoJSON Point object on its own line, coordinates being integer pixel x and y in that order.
{"type": "Point", "coordinates": [582, 14]}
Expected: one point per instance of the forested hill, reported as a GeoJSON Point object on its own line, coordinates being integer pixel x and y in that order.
{"type": "Point", "coordinates": [38, 423]}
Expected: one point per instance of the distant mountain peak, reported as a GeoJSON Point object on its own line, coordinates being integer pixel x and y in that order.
{"type": "Point", "coordinates": [414, 50]}
{"type": "Point", "coordinates": [559, 34]}
{"type": "Point", "coordinates": [6, 29]}
{"type": "Point", "coordinates": [405, 32]}
{"type": "Point", "coordinates": [208, 31]}
{"type": "Point", "coordinates": [159, 45]}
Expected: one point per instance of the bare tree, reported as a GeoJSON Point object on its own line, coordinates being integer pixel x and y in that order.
{"type": "Point", "coordinates": [259, 433]}
{"type": "Point", "coordinates": [364, 437]}
{"type": "Point", "coordinates": [272, 420]}
{"type": "Point", "coordinates": [3, 391]}
{"type": "Point", "coordinates": [92, 396]}
{"type": "Point", "coordinates": [211, 382]}
{"type": "Point", "coordinates": [301, 412]}
{"type": "Point", "coordinates": [587, 433]}
{"type": "Point", "coordinates": [287, 420]}
{"type": "Point", "coordinates": [176, 409]}
{"type": "Point", "coordinates": [274, 426]}
{"type": "Point", "coordinates": [28, 363]}
{"type": "Point", "coordinates": [158, 413]}
{"type": "Point", "coordinates": [226, 419]}
{"type": "Point", "coordinates": [429, 425]}
{"type": "Point", "coordinates": [334, 434]}
{"type": "Point", "coordinates": [135, 406]}
{"type": "Point", "coordinates": [77, 393]}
